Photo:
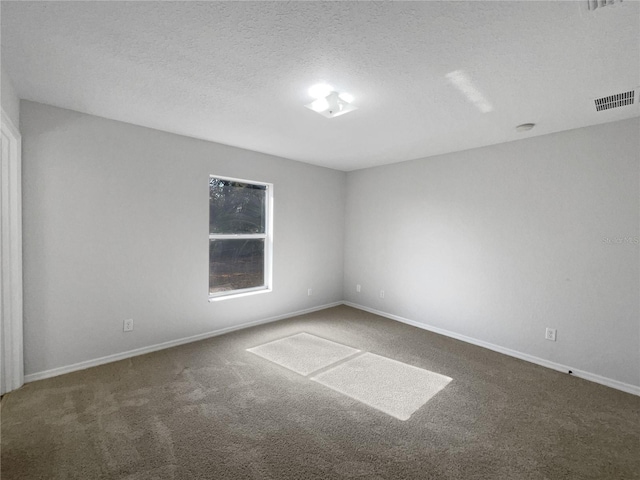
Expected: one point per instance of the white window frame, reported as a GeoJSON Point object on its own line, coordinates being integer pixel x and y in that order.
{"type": "Point", "coordinates": [268, 245]}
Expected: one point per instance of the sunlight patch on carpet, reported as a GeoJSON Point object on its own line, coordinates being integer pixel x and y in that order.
{"type": "Point", "coordinates": [303, 353]}
{"type": "Point", "coordinates": [392, 387]}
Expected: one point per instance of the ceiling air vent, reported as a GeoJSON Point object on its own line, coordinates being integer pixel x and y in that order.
{"type": "Point", "coordinates": [593, 4]}
{"type": "Point", "coordinates": [614, 101]}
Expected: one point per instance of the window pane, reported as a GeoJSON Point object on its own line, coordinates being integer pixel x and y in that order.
{"type": "Point", "coordinates": [235, 264]}
{"type": "Point", "coordinates": [236, 207]}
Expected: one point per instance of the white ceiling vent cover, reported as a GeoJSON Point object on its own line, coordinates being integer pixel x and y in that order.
{"type": "Point", "coordinates": [614, 101]}
{"type": "Point", "coordinates": [593, 4]}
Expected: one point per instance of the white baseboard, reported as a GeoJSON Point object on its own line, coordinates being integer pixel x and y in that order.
{"type": "Point", "coordinates": [32, 377]}
{"type": "Point", "coordinates": [609, 382]}
{"type": "Point", "coordinates": [625, 387]}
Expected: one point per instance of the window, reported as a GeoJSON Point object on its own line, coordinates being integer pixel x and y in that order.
{"type": "Point", "coordinates": [240, 238]}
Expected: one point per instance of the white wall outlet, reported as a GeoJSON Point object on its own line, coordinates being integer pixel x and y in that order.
{"type": "Point", "coordinates": [381, 293]}
{"type": "Point", "coordinates": [309, 292]}
{"type": "Point", "coordinates": [550, 334]}
{"type": "Point", "coordinates": [128, 325]}
{"type": "Point", "coordinates": [358, 288]}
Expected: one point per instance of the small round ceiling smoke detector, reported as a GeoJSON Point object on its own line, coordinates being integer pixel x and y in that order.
{"type": "Point", "coordinates": [525, 127]}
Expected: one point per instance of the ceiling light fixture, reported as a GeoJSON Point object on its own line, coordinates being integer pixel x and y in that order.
{"type": "Point", "coordinates": [328, 102]}
{"type": "Point", "coordinates": [320, 90]}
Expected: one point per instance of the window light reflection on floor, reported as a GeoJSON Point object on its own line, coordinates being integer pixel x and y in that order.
{"type": "Point", "coordinates": [390, 386]}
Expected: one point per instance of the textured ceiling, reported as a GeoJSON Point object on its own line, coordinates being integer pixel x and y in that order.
{"type": "Point", "coordinates": [238, 72]}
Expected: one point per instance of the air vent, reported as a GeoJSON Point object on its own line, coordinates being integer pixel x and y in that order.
{"type": "Point", "coordinates": [614, 101]}
{"type": "Point", "coordinates": [593, 4]}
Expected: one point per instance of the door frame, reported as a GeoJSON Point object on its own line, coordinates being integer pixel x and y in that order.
{"type": "Point", "coordinates": [11, 312]}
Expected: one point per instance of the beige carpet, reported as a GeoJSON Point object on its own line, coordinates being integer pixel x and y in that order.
{"type": "Point", "coordinates": [212, 410]}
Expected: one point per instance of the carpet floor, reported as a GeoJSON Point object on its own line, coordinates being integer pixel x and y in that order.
{"type": "Point", "coordinates": [212, 410]}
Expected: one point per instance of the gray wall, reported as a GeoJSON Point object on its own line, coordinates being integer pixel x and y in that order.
{"type": "Point", "coordinates": [10, 101]}
{"type": "Point", "coordinates": [116, 226]}
{"type": "Point", "coordinates": [498, 243]}
{"type": "Point", "coordinates": [494, 243]}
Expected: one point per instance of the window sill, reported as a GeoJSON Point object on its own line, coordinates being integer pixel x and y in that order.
{"type": "Point", "coordinates": [241, 293]}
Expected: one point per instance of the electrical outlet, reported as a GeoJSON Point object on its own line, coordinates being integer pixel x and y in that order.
{"type": "Point", "coordinates": [128, 325]}
{"type": "Point", "coordinates": [309, 292]}
{"type": "Point", "coordinates": [550, 334]}
{"type": "Point", "coordinates": [358, 288]}
{"type": "Point", "coordinates": [381, 293]}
